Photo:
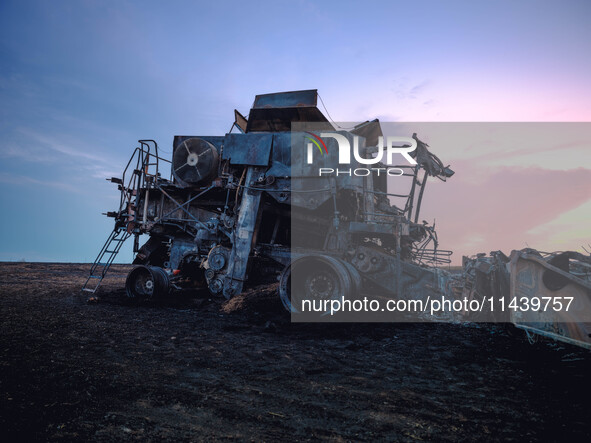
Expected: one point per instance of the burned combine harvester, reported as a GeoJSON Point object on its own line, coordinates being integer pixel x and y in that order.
{"type": "Point", "coordinates": [232, 205]}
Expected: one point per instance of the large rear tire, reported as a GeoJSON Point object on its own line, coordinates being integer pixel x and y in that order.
{"type": "Point", "coordinates": [146, 282]}
{"type": "Point", "coordinates": [317, 278]}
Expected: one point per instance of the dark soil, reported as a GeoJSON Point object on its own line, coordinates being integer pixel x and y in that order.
{"type": "Point", "coordinates": [197, 368]}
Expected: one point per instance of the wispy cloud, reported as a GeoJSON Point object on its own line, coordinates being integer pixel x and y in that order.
{"type": "Point", "coordinates": [78, 156]}
{"type": "Point", "coordinates": [27, 152]}
{"type": "Point", "coordinates": [66, 145]}
{"type": "Point", "coordinates": [404, 89]}
{"type": "Point", "coordinates": [23, 180]}
{"type": "Point", "coordinates": [418, 88]}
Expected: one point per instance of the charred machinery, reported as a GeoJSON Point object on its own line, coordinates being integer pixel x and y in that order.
{"type": "Point", "coordinates": [231, 210]}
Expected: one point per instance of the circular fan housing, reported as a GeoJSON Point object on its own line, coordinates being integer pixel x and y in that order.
{"type": "Point", "coordinates": [195, 162]}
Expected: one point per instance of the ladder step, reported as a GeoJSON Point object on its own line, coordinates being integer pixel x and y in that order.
{"type": "Point", "coordinates": [99, 269]}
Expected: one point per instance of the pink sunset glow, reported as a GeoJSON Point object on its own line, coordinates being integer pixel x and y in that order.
{"type": "Point", "coordinates": [503, 209]}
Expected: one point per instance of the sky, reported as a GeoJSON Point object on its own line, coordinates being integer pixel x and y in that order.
{"type": "Point", "coordinates": [82, 81]}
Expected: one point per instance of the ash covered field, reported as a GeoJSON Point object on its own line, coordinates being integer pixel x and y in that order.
{"type": "Point", "coordinates": [200, 368]}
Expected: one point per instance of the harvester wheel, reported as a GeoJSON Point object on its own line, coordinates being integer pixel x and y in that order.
{"type": "Point", "coordinates": [316, 278]}
{"type": "Point", "coordinates": [145, 282]}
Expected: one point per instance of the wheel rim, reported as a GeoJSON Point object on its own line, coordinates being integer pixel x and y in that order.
{"type": "Point", "coordinates": [145, 282]}
{"type": "Point", "coordinates": [317, 278]}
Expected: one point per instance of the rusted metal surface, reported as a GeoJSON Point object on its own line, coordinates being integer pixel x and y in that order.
{"type": "Point", "coordinates": [276, 112]}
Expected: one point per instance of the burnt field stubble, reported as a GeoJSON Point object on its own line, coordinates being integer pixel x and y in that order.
{"type": "Point", "coordinates": [199, 368]}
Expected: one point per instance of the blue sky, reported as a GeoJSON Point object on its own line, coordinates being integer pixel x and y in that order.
{"type": "Point", "coordinates": [82, 81]}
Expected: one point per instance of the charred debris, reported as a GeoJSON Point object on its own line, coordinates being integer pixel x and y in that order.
{"type": "Point", "coordinates": [539, 285]}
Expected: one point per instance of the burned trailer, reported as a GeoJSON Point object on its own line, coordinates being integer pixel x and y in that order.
{"type": "Point", "coordinates": [242, 209]}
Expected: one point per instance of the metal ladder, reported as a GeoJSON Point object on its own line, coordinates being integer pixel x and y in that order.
{"type": "Point", "coordinates": [109, 251]}
{"type": "Point", "coordinates": [140, 172]}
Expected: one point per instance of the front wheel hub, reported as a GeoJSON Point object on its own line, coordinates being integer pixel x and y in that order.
{"type": "Point", "coordinates": [145, 282]}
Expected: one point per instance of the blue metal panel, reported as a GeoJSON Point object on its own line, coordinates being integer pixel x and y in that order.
{"type": "Point", "coordinates": [281, 156]}
{"type": "Point", "coordinates": [248, 149]}
{"type": "Point", "coordinates": [293, 99]}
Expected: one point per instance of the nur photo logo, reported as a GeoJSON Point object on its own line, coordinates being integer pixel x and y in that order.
{"type": "Point", "coordinates": [388, 154]}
